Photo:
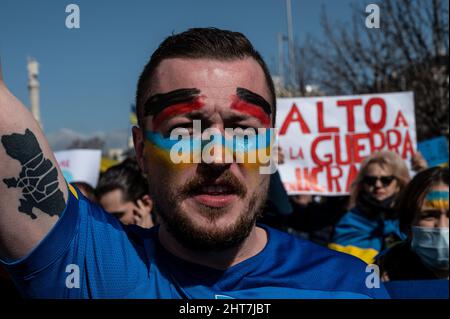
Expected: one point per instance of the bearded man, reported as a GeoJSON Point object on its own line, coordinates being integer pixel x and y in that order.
{"type": "Point", "coordinates": [56, 244]}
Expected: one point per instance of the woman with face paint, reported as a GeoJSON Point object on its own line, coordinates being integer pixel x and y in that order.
{"type": "Point", "coordinates": [423, 216]}
{"type": "Point", "coordinates": [371, 225]}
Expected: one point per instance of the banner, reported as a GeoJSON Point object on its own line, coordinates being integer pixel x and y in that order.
{"type": "Point", "coordinates": [435, 151]}
{"type": "Point", "coordinates": [80, 165]}
{"type": "Point", "coordinates": [324, 139]}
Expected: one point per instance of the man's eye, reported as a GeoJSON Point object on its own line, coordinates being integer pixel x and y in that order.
{"type": "Point", "coordinates": [181, 129]}
{"type": "Point", "coordinates": [242, 129]}
{"type": "Point", "coordinates": [245, 133]}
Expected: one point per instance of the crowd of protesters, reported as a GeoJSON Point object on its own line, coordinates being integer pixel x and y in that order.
{"type": "Point", "coordinates": [398, 223]}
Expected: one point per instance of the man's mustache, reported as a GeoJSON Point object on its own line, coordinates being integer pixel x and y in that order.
{"type": "Point", "coordinates": [226, 179]}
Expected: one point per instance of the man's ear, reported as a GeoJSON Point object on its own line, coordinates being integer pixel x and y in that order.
{"type": "Point", "coordinates": [138, 141]}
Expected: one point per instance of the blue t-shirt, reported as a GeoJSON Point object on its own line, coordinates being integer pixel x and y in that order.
{"type": "Point", "coordinates": [90, 254]}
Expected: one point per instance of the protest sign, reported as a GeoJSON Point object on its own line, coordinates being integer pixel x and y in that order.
{"type": "Point", "coordinates": [80, 165]}
{"type": "Point", "coordinates": [324, 139]}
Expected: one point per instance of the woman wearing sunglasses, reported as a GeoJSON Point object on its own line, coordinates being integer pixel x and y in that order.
{"type": "Point", "coordinates": [423, 215]}
{"type": "Point", "coordinates": [371, 225]}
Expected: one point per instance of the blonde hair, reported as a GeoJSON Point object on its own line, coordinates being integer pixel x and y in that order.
{"type": "Point", "coordinates": [385, 159]}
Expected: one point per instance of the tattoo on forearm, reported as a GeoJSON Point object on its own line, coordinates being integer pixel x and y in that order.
{"type": "Point", "coordinates": [38, 178]}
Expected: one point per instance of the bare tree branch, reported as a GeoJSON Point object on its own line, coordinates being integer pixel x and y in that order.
{"type": "Point", "coordinates": [408, 53]}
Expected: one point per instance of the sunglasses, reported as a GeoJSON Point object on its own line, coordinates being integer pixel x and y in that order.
{"type": "Point", "coordinates": [372, 180]}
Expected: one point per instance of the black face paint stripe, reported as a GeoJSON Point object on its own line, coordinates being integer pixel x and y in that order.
{"type": "Point", "coordinates": [159, 102]}
{"type": "Point", "coordinates": [254, 98]}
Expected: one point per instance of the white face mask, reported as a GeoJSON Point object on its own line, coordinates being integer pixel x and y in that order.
{"type": "Point", "coordinates": [431, 244]}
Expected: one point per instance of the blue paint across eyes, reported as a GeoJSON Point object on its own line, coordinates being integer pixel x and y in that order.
{"type": "Point", "coordinates": [164, 143]}
{"type": "Point", "coordinates": [238, 143]}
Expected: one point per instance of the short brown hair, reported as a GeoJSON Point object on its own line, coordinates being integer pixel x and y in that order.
{"type": "Point", "coordinates": [199, 43]}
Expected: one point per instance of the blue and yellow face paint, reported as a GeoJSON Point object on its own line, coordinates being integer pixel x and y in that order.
{"type": "Point", "coordinates": [436, 200]}
{"type": "Point", "coordinates": [251, 150]}
{"type": "Point", "coordinates": [162, 149]}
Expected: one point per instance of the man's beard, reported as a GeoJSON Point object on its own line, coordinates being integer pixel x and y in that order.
{"type": "Point", "coordinates": [193, 237]}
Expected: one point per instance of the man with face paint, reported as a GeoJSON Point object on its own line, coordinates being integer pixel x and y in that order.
{"type": "Point", "coordinates": [208, 244]}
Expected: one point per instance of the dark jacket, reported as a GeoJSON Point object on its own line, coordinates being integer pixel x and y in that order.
{"type": "Point", "coordinates": [401, 263]}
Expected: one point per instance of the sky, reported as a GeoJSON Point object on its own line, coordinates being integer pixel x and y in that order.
{"type": "Point", "coordinates": [88, 75]}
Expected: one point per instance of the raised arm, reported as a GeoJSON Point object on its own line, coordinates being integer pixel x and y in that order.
{"type": "Point", "coordinates": [33, 192]}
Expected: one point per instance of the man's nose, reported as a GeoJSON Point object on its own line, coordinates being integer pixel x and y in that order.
{"type": "Point", "coordinates": [215, 165]}
{"type": "Point", "coordinates": [218, 153]}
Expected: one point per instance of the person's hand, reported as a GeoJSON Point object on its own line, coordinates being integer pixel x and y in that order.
{"type": "Point", "coordinates": [142, 213]}
{"type": "Point", "coordinates": [418, 162]}
{"type": "Point", "coordinates": [385, 277]}
{"type": "Point", "coordinates": [302, 200]}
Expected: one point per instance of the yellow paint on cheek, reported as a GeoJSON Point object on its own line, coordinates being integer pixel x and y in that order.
{"type": "Point", "coordinates": [163, 157]}
{"type": "Point", "coordinates": [253, 159]}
